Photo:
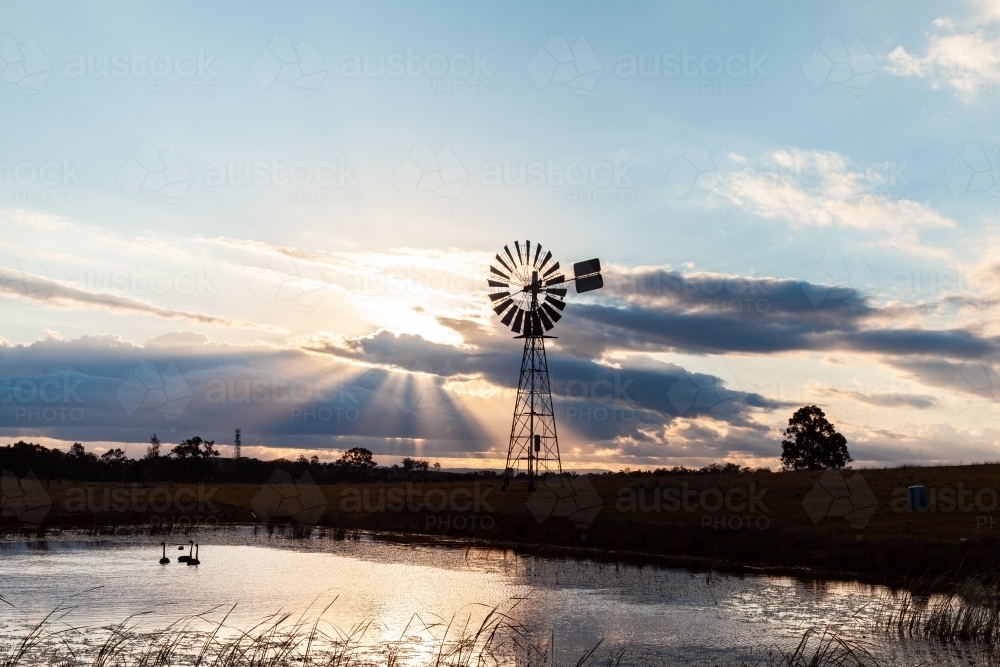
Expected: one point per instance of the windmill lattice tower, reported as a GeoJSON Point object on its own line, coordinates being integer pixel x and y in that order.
{"type": "Point", "coordinates": [528, 294]}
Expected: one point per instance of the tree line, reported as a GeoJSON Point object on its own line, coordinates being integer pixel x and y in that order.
{"type": "Point", "coordinates": [198, 460]}
{"type": "Point", "coordinates": [811, 443]}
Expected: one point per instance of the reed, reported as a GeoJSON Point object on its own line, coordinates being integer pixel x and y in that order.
{"type": "Point", "coordinates": [823, 649]}
{"type": "Point", "coordinates": [485, 639]}
{"type": "Point", "coordinates": [968, 612]}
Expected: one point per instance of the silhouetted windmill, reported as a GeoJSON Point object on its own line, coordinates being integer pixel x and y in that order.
{"type": "Point", "coordinates": [528, 294]}
{"type": "Point", "coordinates": [236, 449]}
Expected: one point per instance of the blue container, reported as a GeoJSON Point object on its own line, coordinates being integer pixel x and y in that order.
{"type": "Point", "coordinates": [918, 498]}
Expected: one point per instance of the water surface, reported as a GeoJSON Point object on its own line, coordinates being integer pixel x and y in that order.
{"type": "Point", "coordinates": [658, 614]}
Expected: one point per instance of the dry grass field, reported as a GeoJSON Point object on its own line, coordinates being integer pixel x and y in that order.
{"type": "Point", "coordinates": [847, 521]}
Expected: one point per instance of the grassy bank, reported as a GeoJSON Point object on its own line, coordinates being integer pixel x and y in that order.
{"type": "Point", "coordinates": [851, 521]}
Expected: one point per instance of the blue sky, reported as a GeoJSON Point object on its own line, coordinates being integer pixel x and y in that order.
{"type": "Point", "coordinates": [794, 205]}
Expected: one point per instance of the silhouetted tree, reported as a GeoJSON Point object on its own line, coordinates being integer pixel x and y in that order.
{"type": "Point", "coordinates": [77, 451]}
{"type": "Point", "coordinates": [153, 451]}
{"type": "Point", "coordinates": [415, 465]}
{"type": "Point", "coordinates": [195, 448]}
{"type": "Point", "coordinates": [812, 443]}
{"type": "Point", "coordinates": [358, 459]}
{"type": "Point", "coordinates": [113, 456]}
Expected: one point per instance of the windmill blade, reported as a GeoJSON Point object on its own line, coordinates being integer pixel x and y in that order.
{"type": "Point", "coordinates": [509, 316]}
{"type": "Point", "coordinates": [503, 306]}
{"type": "Point", "coordinates": [556, 281]}
{"type": "Point", "coordinates": [498, 272]}
{"type": "Point", "coordinates": [506, 249]}
{"type": "Point", "coordinates": [497, 283]}
{"type": "Point", "coordinates": [545, 260]}
{"type": "Point", "coordinates": [546, 322]}
{"type": "Point", "coordinates": [499, 295]}
{"type": "Point", "coordinates": [536, 323]}
{"type": "Point", "coordinates": [538, 251]}
{"type": "Point", "coordinates": [517, 321]}
{"type": "Point", "coordinates": [553, 314]}
{"type": "Point", "coordinates": [527, 251]}
{"type": "Point", "coordinates": [503, 263]}
{"type": "Point", "coordinates": [555, 302]}
{"type": "Point", "coordinates": [556, 291]}
{"type": "Point", "coordinates": [517, 246]}
{"type": "Point", "coordinates": [552, 269]}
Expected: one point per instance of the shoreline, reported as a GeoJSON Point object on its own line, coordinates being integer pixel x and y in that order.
{"type": "Point", "coordinates": [833, 525]}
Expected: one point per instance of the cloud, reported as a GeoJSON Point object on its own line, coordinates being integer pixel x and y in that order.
{"type": "Point", "coordinates": [963, 55]}
{"type": "Point", "coordinates": [926, 444]}
{"type": "Point", "coordinates": [595, 400]}
{"type": "Point", "coordinates": [86, 389]}
{"type": "Point", "coordinates": [826, 189]}
{"type": "Point", "coordinates": [656, 309]}
{"type": "Point", "coordinates": [888, 399]}
{"type": "Point", "coordinates": [20, 284]}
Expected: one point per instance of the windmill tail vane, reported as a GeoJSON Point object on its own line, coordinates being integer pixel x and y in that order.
{"type": "Point", "coordinates": [528, 292]}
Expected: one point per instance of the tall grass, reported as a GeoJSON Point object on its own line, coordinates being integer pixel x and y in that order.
{"type": "Point", "coordinates": [967, 612]}
{"type": "Point", "coordinates": [487, 639]}
{"type": "Point", "coordinates": [484, 637]}
{"type": "Point", "coordinates": [823, 649]}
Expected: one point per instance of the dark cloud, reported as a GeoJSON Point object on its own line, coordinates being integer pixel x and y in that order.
{"type": "Point", "coordinates": [594, 400]}
{"type": "Point", "coordinates": [179, 385]}
{"type": "Point", "coordinates": [709, 314]}
{"type": "Point", "coordinates": [103, 388]}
